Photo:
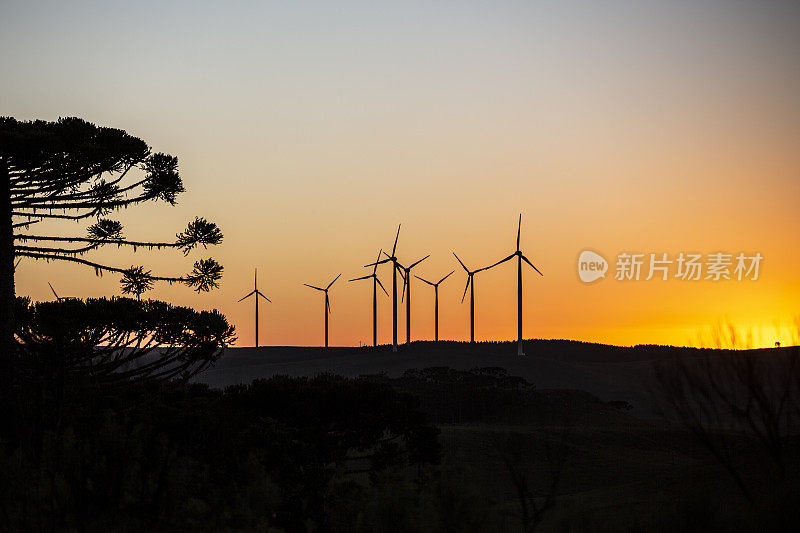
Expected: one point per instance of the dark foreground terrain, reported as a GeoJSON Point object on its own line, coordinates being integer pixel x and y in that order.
{"type": "Point", "coordinates": [437, 437]}
{"type": "Point", "coordinates": [592, 435]}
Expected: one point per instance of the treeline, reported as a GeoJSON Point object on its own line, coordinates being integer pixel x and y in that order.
{"type": "Point", "coordinates": [448, 396]}
{"type": "Point", "coordinates": [101, 428]}
{"type": "Point", "coordinates": [281, 453]}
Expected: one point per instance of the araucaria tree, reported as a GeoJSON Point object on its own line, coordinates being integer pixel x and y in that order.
{"type": "Point", "coordinates": [74, 170]}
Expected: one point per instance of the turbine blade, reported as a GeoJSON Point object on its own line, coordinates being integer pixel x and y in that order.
{"type": "Point", "coordinates": [394, 248]}
{"type": "Point", "coordinates": [374, 270]}
{"type": "Point", "coordinates": [328, 305]}
{"type": "Point", "coordinates": [425, 280]}
{"type": "Point", "coordinates": [54, 291]}
{"type": "Point", "coordinates": [313, 287]}
{"type": "Point", "coordinates": [447, 276]}
{"type": "Point", "coordinates": [469, 279]}
{"type": "Point", "coordinates": [462, 264]}
{"type": "Point", "coordinates": [378, 263]}
{"type": "Point", "coordinates": [531, 264]}
{"type": "Point", "coordinates": [500, 262]}
{"type": "Point", "coordinates": [402, 296]}
{"type": "Point", "coordinates": [362, 277]}
{"type": "Point", "coordinates": [418, 262]}
{"type": "Point", "coordinates": [381, 285]}
{"type": "Point", "coordinates": [258, 293]}
{"type": "Point", "coordinates": [519, 229]}
{"type": "Point", "coordinates": [248, 296]}
{"type": "Point", "coordinates": [332, 282]}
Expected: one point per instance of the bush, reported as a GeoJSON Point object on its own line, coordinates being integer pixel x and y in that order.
{"type": "Point", "coordinates": [274, 453]}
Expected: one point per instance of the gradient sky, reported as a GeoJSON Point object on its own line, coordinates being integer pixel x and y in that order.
{"type": "Point", "coordinates": [309, 130]}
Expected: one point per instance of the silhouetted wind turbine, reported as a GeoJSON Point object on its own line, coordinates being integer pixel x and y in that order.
{"type": "Point", "coordinates": [256, 293]}
{"type": "Point", "coordinates": [375, 283]}
{"type": "Point", "coordinates": [436, 300]}
{"type": "Point", "coordinates": [395, 268]}
{"type": "Point", "coordinates": [407, 289]}
{"type": "Point", "coordinates": [471, 287]}
{"type": "Point", "coordinates": [520, 259]}
{"type": "Point", "coordinates": [327, 304]}
{"type": "Point", "coordinates": [58, 298]}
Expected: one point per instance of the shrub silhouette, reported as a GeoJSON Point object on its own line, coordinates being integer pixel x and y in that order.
{"type": "Point", "coordinates": [171, 454]}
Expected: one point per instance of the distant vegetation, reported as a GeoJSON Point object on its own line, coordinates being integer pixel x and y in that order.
{"type": "Point", "coordinates": [735, 400]}
{"type": "Point", "coordinates": [284, 452]}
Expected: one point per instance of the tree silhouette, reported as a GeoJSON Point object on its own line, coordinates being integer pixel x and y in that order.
{"type": "Point", "coordinates": [73, 170]}
{"type": "Point", "coordinates": [117, 340]}
{"type": "Point", "coordinates": [729, 397]}
{"type": "Point", "coordinates": [71, 349]}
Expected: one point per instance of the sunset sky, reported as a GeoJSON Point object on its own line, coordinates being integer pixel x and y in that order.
{"type": "Point", "coordinates": [309, 130]}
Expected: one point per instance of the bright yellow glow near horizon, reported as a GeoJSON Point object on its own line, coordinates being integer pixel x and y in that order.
{"type": "Point", "coordinates": [308, 133]}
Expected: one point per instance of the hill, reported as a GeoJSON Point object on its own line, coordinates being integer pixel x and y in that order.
{"type": "Point", "coordinates": [608, 372]}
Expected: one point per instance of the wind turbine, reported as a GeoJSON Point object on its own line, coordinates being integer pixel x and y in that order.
{"type": "Point", "coordinates": [256, 293]}
{"type": "Point", "coordinates": [436, 300]}
{"type": "Point", "coordinates": [395, 268]}
{"type": "Point", "coordinates": [520, 259]}
{"type": "Point", "coordinates": [60, 298]}
{"type": "Point", "coordinates": [407, 289]}
{"type": "Point", "coordinates": [375, 283]}
{"type": "Point", "coordinates": [471, 287]}
{"type": "Point", "coordinates": [327, 303]}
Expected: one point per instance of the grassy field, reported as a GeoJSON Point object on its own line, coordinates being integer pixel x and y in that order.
{"type": "Point", "coordinates": [611, 478]}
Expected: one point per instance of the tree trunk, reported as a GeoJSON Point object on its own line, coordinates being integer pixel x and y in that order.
{"type": "Point", "coordinates": [7, 296]}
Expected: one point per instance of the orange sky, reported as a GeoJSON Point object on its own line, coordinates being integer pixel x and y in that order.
{"type": "Point", "coordinates": [309, 132]}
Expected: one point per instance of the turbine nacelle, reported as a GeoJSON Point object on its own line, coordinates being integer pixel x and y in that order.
{"type": "Point", "coordinates": [406, 273]}
{"type": "Point", "coordinates": [470, 275]}
{"type": "Point", "coordinates": [325, 290]}
{"type": "Point", "coordinates": [438, 282]}
{"type": "Point", "coordinates": [516, 253]}
{"type": "Point", "coordinates": [374, 274]}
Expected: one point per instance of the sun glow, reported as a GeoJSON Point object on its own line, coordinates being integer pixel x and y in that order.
{"type": "Point", "coordinates": [307, 135]}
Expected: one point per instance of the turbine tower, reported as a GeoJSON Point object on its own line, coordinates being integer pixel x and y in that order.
{"type": "Point", "coordinates": [471, 287]}
{"type": "Point", "coordinates": [520, 258]}
{"type": "Point", "coordinates": [327, 310]}
{"type": "Point", "coordinates": [375, 283]}
{"type": "Point", "coordinates": [256, 293]}
{"type": "Point", "coordinates": [436, 304]}
{"type": "Point", "coordinates": [395, 268]}
{"type": "Point", "coordinates": [406, 271]}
